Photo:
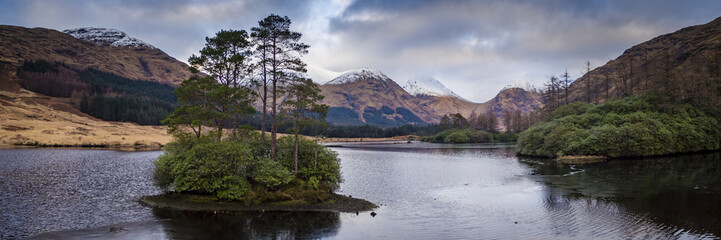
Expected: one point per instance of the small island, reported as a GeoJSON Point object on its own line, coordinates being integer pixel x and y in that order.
{"type": "Point", "coordinates": [217, 164]}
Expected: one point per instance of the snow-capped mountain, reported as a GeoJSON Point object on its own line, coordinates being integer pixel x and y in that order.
{"type": "Point", "coordinates": [105, 36]}
{"type": "Point", "coordinates": [525, 85]}
{"type": "Point", "coordinates": [359, 74]}
{"type": "Point", "coordinates": [428, 86]}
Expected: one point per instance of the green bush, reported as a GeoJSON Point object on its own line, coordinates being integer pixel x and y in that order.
{"type": "Point", "coordinates": [218, 168]}
{"type": "Point", "coordinates": [457, 137]}
{"type": "Point", "coordinates": [314, 161]}
{"type": "Point", "coordinates": [270, 174]}
{"type": "Point", "coordinates": [629, 127]}
{"type": "Point", "coordinates": [469, 136]}
{"type": "Point", "coordinates": [239, 168]}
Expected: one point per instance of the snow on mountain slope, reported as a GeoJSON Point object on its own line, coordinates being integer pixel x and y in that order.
{"type": "Point", "coordinates": [359, 74]}
{"type": "Point", "coordinates": [525, 85]}
{"type": "Point", "coordinates": [104, 36]}
{"type": "Point", "coordinates": [428, 86]}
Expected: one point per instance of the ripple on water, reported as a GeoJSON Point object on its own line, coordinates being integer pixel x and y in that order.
{"type": "Point", "coordinates": [61, 189]}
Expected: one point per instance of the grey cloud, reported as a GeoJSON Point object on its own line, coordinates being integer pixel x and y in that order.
{"type": "Point", "coordinates": [474, 47]}
{"type": "Point", "coordinates": [494, 42]}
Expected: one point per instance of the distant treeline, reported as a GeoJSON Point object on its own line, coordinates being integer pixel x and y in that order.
{"type": "Point", "coordinates": [102, 95]}
{"type": "Point", "coordinates": [362, 131]}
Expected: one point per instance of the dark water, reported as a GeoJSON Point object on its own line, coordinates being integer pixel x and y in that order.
{"type": "Point", "coordinates": [427, 191]}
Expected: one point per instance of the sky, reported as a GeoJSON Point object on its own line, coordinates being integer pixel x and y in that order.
{"type": "Point", "coordinates": [475, 48]}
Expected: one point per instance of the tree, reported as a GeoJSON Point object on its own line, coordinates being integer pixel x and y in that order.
{"type": "Point", "coordinates": [220, 96]}
{"type": "Point", "coordinates": [303, 107]}
{"type": "Point", "coordinates": [566, 83]}
{"type": "Point", "coordinates": [551, 94]}
{"type": "Point", "coordinates": [279, 51]}
{"type": "Point", "coordinates": [458, 121]}
{"type": "Point", "coordinates": [588, 81]}
{"type": "Point", "coordinates": [446, 123]}
{"type": "Point", "coordinates": [194, 109]}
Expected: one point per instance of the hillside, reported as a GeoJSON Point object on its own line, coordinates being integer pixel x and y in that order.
{"type": "Point", "coordinates": [511, 99]}
{"type": "Point", "coordinates": [47, 77]}
{"type": "Point", "coordinates": [368, 96]}
{"type": "Point", "coordinates": [433, 95]}
{"type": "Point", "coordinates": [685, 65]}
{"type": "Point", "coordinates": [140, 62]}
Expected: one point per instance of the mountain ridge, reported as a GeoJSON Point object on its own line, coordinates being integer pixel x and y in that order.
{"type": "Point", "coordinates": [367, 96]}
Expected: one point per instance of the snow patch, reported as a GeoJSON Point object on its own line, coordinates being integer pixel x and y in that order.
{"type": "Point", "coordinates": [525, 85]}
{"type": "Point", "coordinates": [104, 36]}
{"type": "Point", "coordinates": [429, 86]}
{"type": "Point", "coordinates": [359, 74]}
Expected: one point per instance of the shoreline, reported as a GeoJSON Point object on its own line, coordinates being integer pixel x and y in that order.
{"type": "Point", "coordinates": [607, 158]}
{"type": "Point", "coordinates": [189, 202]}
{"type": "Point", "coordinates": [122, 148]}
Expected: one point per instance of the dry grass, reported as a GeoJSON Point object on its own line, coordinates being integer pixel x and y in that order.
{"type": "Point", "coordinates": [24, 121]}
{"type": "Point", "coordinates": [581, 159]}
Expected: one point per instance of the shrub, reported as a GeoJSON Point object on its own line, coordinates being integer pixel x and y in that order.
{"type": "Point", "coordinates": [270, 174]}
{"type": "Point", "coordinates": [205, 167]}
{"type": "Point", "coordinates": [629, 127]}
{"type": "Point", "coordinates": [457, 137]}
{"type": "Point", "coordinates": [314, 160]}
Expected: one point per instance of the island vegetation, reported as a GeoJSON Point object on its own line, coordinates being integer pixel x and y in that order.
{"type": "Point", "coordinates": [637, 126]}
{"type": "Point", "coordinates": [216, 164]}
{"type": "Point", "coordinates": [478, 128]}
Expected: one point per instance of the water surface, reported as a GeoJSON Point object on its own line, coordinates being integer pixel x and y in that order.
{"type": "Point", "coordinates": [426, 191]}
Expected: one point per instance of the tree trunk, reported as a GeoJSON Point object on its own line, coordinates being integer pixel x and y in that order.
{"type": "Point", "coordinates": [273, 129]}
{"type": "Point", "coordinates": [265, 106]}
{"type": "Point", "coordinates": [273, 126]}
{"type": "Point", "coordinates": [296, 148]}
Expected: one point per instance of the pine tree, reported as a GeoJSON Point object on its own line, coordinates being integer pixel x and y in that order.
{"type": "Point", "coordinates": [302, 105]}
{"type": "Point", "coordinates": [280, 50]}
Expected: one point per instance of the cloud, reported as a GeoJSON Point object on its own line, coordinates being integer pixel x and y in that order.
{"type": "Point", "coordinates": [477, 47]}
{"type": "Point", "coordinates": [473, 47]}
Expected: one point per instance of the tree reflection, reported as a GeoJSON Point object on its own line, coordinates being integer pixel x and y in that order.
{"type": "Point", "coordinates": [248, 225]}
{"type": "Point", "coordinates": [682, 191]}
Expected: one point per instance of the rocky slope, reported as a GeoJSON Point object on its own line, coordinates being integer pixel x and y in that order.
{"type": "Point", "coordinates": [685, 64]}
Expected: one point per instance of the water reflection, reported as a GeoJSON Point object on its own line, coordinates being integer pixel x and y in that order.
{"type": "Point", "coordinates": [427, 191]}
{"type": "Point", "coordinates": [674, 193]}
{"type": "Point", "coordinates": [251, 225]}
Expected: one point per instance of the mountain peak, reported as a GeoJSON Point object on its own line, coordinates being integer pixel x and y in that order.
{"type": "Point", "coordinates": [359, 74]}
{"type": "Point", "coordinates": [525, 85]}
{"type": "Point", "coordinates": [107, 37]}
{"type": "Point", "coordinates": [428, 86]}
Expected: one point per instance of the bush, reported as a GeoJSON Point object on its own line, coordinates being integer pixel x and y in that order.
{"type": "Point", "coordinates": [457, 137]}
{"type": "Point", "coordinates": [217, 168]}
{"type": "Point", "coordinates": [238, 168]}
{"type": "Point", "coordinates": [270, 174]}
{"type": "Point", "coordinates": [469, 136]}
{"type": "Point", "coordinates": [314, 161]}
{"type": "Point", "coordinates": [631, 127]}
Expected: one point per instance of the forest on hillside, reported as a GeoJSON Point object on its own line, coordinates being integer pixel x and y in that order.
{"type": "Point", "coordinates": [102, 95]}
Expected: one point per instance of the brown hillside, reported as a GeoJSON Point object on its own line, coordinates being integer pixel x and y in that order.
{"type": "Point", "coordinates": [512, 99]}
{"type": "Point", "coordinates": [442, 105]}
{"type": "Point", "coordinates": [685, 64]}
{"type": "Point", "coordinates": [360, 95]}
{"type": "Point", "coordinates": [30, 118]}
{"type": "Point", "coordinates": [20, 44]}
